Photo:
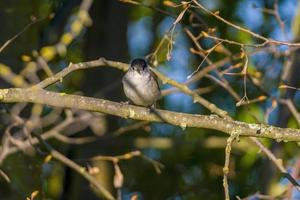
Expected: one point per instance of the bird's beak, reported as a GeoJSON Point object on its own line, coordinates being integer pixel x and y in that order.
{"type": "Point", "coordinates": [138, 71]}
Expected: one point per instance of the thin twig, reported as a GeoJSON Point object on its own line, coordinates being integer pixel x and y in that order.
{"type": "Point", "coordinates": [80, 170]}
{"type": "Point", "coordinates": [34, 21]}
{"type": "Point", "coordinates": [266, 40]}
{"type": "Point", "coordinates": [226, 165]}
{"type": "Point", "coordinates": [277, 162]}
{"type": "Point", "coordinates": [5, 176]}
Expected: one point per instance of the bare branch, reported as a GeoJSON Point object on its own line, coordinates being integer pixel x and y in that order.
{"type": "Point", "coordinates": [266, 40]}
{"type": "Point", "coordinates": [80, 170]}
{"type": "Point", "coordinates": [183, 120]}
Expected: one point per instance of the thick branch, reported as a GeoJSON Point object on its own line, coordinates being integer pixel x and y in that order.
{"type": "Point", "coordinates": [183, 120]}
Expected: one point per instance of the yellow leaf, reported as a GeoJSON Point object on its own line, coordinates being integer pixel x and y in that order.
{"type": "Point", "coordinates": [4, 70]}
{"type": "Point", "coordinates": [242, 54]}
{"type": "Point", "coordinates": [85, 18]}
{"type": "Point", "coordinates": [257, 74]}
{"type": "Point", "coordinates": [219, 49]}
{"type": "Point", "coordinates": [82, 169]}
{"type": "Point", "coordinates": [127, 155]}
{"type": "Point", "coordinates": [48, 52]}
{"type": "Point", "coordinates": [25, 58]}
{"type": "Point", "coordinates": [261, 98]}
{"type": "Point", "coordinates": [288, 87]}
{"type": "Point", "coordinates": [283, 86]}
{"type": "Point", "coordinates": [61, 49]}
{"type": "Point", "coordinates": [31, 67]}
{"type": "Point", "coordinates": [76, 27]}
{"type": "Point", "coordinates": [169, 3]}
{"type": "Point", "coordinates": [48, 158]}
{"type": "Point", "coordinates": [66, 38]}
{"type": "Point", "coordinates": [18, 81]}
{"type": "Point", "coordinates": [204, 33]}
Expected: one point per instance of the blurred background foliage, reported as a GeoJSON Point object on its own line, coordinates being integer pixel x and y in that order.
{"type": "Point", "coordinates": [193, 158]}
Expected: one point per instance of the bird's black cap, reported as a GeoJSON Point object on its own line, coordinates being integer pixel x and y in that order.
{"type": "Point", "coordinates": [139, 62]}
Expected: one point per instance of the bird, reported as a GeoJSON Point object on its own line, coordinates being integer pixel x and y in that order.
{"type": "Point", "coordinates": [140, 84]}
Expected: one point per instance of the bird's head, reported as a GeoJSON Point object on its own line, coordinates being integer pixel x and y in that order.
{"type": "Point", "coordinates": [139, 65]}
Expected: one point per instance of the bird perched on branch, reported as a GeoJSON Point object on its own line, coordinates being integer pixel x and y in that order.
{"type": "Point", "coordinates": [140, 84]}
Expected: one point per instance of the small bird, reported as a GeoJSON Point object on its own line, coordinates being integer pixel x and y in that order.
{"type": "Point", "coordinates": [140, 84]}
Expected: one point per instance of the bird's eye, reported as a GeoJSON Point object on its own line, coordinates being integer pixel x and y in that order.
{"type": "Point", "coordinates": [144, 65]}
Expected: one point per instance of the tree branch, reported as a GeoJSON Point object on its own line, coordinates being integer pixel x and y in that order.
{"type": "Point", "coordinates": [82, 171]}
{"type": "Point", "coordinates": [35, 95]}
{"type": "Point", "coordinates": [73, 67]}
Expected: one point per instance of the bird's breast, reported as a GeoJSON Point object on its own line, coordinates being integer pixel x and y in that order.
{"type": "Point", "coordinates": [141, 89]}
